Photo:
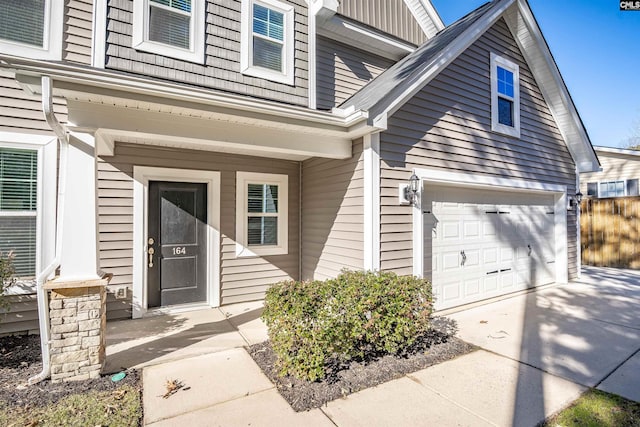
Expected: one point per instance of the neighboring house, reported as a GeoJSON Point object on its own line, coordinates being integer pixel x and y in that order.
{"type": "Point", "coordinates": [217, 147]}
{"type": "Point", "coordinates": [618, 177]}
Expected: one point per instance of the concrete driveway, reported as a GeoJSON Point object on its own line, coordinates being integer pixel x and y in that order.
{"type": "Point", "coordinates": [587, 332]}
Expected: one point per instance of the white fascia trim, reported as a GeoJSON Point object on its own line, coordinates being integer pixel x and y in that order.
{"type": "Point", "coordinates": [141, 177]}
{"type": "Point", "coordinates": [29, 72]}
{"type": "Point", "coordinates": [555, 92]}
{"type": "Point", "coordinates": [52, 36]}
{"type": "Point", "coordinates": [438, 176]}
{"type": "Point", "coordinates": [242, 247]}
{"type": "Point", "coordinates": [496, 126]}
{"type": "Point", "coordinates": [99, 42]}
{"type": "Point", "coordinates": [140, 37]}
{"type": "Point", "coordinates": [46, 147]}
{"type": "Point", "coordinates": [361, 37]}
{"type": "Point", "coordinates": [372, 202]}
{"type": "Point", "coordinates": [424, 16]}
{"type": "Point", "coordinates": [287, 76]}
{"type": "Point", "coordinates": [420, 79]}
{"type": "Point", "coordinates": [617, 151]}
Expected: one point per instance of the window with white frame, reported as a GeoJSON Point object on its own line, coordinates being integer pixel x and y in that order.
{"type": "Point", "coordinates": [261, 214]}
{"type": "Point", "coordinates": [267, 48]}
{"type": "Point", "coordinates": [173, 28]}
{"type": "Point", "coordinates": [31, 28]}
{"type": "Point", "coordinates": [505, 96]}
{"type": "Point", "coordinates": [612, 189]}
{"type": "Point", "coordinates": [18, 208]}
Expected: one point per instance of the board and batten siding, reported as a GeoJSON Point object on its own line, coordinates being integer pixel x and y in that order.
{"type": "Point", "coordinates": [447, 125]}
{"type": "Point", "coordinates": [222, 68]}
{"type": "Point", "coordinates": [242, 279]}
{"type": "Point", "coordinates": [78, 27]}
{"type": "Point", "coordinates": [332, 215]}
{"type": "Point", "coordinates": [615, 167]}
{"type": "Point", "coordinates": [343, 70]}
{"type": "Point", "coordinates": [390, 16]}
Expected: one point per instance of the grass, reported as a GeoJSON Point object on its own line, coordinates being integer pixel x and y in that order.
{"type": "Point", "coordinates": [598, 409]}
{"type": "Point", "coordinates": [121, 407]}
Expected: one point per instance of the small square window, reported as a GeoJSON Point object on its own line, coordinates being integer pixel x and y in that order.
{"type": "Point", "coordinates": [505, 96]}
{"type": "Point", "coordinates": [173, 28]}
{"type": "Point", "coordinates": [261, 214]}
{"type": "Point", "coordinates": [267, 48]}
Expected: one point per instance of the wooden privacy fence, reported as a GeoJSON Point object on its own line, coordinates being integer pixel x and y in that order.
{"type": "Point", "coordinates": [610, 232]}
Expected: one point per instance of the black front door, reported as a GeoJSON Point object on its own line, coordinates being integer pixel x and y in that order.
{"type": "Point", "coordinates": [177, 243]}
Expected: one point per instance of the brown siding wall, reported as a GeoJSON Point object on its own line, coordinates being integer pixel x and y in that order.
{"type": "Point", "coordinates": [77, 31]}
{"type": "Point", "coordinates": [20, 112]}
{"type": "Point", "coordinates": [242, 279]}
{"type": "Point", "coordinates": [390, 16]}
{"type": "Point", "coordinates": [332, 215]}
{"type": "Point", "coordinates": [222, 69]}
{"type": "Point", "coordinates": [343, 70]}
{"type": "Point", "coordinates": [448, 125]}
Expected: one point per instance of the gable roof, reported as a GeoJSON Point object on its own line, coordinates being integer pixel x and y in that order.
{"type": "Point", "coordinates": [393, 88]}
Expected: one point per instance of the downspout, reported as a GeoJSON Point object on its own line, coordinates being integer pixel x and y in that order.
{"type": "Point", "coordinates": [43, 297]}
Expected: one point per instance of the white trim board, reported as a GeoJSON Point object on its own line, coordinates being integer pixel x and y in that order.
{"type": "Point", "coordinates": [371, 145]}
{"type": "Point", "coordinates": [141, 177]}
{"type": "Point", "coordinates": [438, 176]}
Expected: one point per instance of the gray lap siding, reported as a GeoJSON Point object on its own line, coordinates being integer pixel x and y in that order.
{"type": "Point", "coordinates": [242, 279]}
{"type": "Point", "coordinates": [447, 125]}
{"type": "Point", "coordinates": [222, 68]}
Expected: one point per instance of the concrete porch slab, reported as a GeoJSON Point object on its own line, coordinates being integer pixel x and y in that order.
{"type": "Point", "coordinates": [208, 380]}
{"type": "Point", "coordinates": [498, 389]}
{"type": "Point", "coordinates": [625, 381]}
{"type": "Point", "coordinates": [245, 318]}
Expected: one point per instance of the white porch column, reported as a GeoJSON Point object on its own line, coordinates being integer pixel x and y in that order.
{"type": "Point", "coordinates": [79, 257]}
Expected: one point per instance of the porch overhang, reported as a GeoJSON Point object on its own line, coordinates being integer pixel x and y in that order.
{"type": "Point", "coordinates": [124, 108]}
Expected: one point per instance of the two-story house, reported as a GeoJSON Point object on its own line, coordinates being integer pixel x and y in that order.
{"type": "Point", "coordinates": [202, 150]}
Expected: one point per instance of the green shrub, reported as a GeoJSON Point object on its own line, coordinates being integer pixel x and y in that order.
{"type": "Point", "coordinates": [6, 274]}
{"type": "Point", "coordinates": [314, 323]}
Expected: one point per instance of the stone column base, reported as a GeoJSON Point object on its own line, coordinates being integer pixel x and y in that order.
{"type": "Point", "coordinates": [77, 311]}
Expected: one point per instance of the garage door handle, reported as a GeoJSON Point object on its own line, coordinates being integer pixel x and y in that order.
{"type": "Point", "coordinates": [506, 269]}
{"type": "Point", "coordinates": [464, 257]}
{"type": "Point", "coordinates": [493, 272]}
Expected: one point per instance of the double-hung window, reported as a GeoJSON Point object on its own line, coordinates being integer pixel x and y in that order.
{"type": "Point", "coordinates": [18, 207]}
{"type": "Point", "coordinates": [31, 28]}
{"type": "Point", "coordinates": [267, 40]}
{"type": "Point", "coordinates": [261, 214]}
{"type": "Point", "coordinates": [505, 96]}
{"type": "Point", "coordinates": [173, 28]}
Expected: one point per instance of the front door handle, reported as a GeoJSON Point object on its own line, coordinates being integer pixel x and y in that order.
{"type": "Point", "coordinates": [151, 251]}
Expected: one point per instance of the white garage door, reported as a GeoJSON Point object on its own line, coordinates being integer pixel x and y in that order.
{"type": "Point", "coordinates": [481, 244]}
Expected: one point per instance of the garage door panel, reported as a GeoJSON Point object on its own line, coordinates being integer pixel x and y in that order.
{"type": "Point", "coordinates": [483, 249]}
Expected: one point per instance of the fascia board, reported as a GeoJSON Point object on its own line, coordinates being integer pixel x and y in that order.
{"type": "Point", "coordinates": [535, 49]}
{"type": "Point", "coordinates": [28, 74]}
{"type": "Point", "coordinates": [426, 16]}
{"type": "Point", "coordinates": [420, 78]}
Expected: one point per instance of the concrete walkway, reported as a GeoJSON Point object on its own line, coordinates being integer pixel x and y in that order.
{"type": "Point", "coordinates": [539, 352]}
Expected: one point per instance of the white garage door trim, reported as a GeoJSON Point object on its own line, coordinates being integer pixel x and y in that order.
{"type": "Point", "coordinates": [438, 176]}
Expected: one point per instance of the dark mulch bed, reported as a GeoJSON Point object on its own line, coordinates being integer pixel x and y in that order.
{"type": "Point", "coordinates": [20, 359]}
{"type": "Point", "coordinates": [437, 346]}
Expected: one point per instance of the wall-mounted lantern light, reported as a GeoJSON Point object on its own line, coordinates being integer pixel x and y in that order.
{"type": "Point", "coordinates": [575, 200]}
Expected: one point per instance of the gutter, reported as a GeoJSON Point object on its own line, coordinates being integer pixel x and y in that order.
{"type": "Point", "coordinates": [42, 295]}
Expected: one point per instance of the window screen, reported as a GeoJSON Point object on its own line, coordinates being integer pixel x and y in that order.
{"type": "Point", "coordinates": [18, 195]}
{"type": "Point", "coordinates": [170, 22]}
{"type": "Point", "coordinates": [262, 217]}
{"type": "Point", "coordinates": [22, 21]}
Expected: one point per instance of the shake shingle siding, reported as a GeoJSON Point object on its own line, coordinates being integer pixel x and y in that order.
{"type": "Point", "coordinates": [222, 68]}
{"type": "Point", "coordinates": [343, 70]}
{"type": "Point", "coordinates": [390, 16]}
{"type": "Point", "coordinates": [77, 31]}
{"type": "Point", "coordinates": [242, 279]}
{"type": "Point", "coordinates": [332, 215]}
{"type": "Point", "coordinates": [448, 125]}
